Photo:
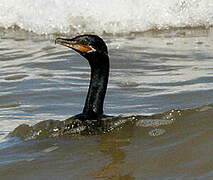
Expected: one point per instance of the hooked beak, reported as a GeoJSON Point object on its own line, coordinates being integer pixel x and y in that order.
{"type": "Point", "coordinates": [75, 45]}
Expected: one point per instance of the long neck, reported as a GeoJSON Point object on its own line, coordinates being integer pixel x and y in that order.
{"type": "Point", "coordinates": [98, 86]}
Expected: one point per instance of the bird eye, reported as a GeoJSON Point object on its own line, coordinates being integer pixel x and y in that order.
{"type": "Point", "coordinates": [85, 42]}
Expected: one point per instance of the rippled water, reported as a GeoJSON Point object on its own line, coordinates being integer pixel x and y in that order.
{"type": "Point", "coordinates": [151, 74]}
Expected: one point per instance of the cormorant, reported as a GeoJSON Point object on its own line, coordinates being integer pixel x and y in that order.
{"type": "Point", "coordinates": [94, 49]}
{"type": "Point", "coordinates": [91, 120]}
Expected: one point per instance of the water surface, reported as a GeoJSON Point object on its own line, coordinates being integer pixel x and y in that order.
{"type": "Point", "coordinates": [166, 76]}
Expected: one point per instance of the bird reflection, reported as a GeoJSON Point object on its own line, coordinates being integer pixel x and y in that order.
{"type": "Point", "coordinates": [113, 145]}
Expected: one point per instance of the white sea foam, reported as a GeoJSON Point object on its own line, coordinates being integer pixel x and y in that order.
{"type": "Point", "coordinates": [111, 16]}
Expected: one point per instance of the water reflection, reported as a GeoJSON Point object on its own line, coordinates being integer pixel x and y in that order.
{"type": "Point", "coordinates": [113, 146]}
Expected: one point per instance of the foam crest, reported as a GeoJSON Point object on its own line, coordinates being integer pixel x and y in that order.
{"type": "Point", "coordinates": [99, 16]}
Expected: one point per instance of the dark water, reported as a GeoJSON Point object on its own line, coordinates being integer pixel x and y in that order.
{"type": "Point", "coordinates": [167, 76]}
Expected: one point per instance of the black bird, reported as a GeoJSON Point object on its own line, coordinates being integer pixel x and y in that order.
{"type": "Point", "coordinates": [91, 120]}
{"type": "Point", "coordinates": [94, 49]}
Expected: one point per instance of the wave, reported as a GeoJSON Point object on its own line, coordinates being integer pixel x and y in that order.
{"type": "Point", "coordinates": [100, 16]}
{"type": "Point", "coordinates": [73, 126]}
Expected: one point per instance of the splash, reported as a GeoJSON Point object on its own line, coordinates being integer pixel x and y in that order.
{"type": "Point", "coordinates": [100, 16]}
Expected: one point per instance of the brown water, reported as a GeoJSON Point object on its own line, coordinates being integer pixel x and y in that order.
{"type": "Point", "coordinates": [152, 74]}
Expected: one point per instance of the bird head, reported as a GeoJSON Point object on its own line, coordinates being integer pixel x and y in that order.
{"type": "Point", "coordinates": [86, 45]}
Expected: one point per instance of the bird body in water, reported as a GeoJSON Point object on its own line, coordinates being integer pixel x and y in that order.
{"type": "Point", "coordinates": [92, 120]}
{"type": "Point", "coordinates": [94, 49]}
